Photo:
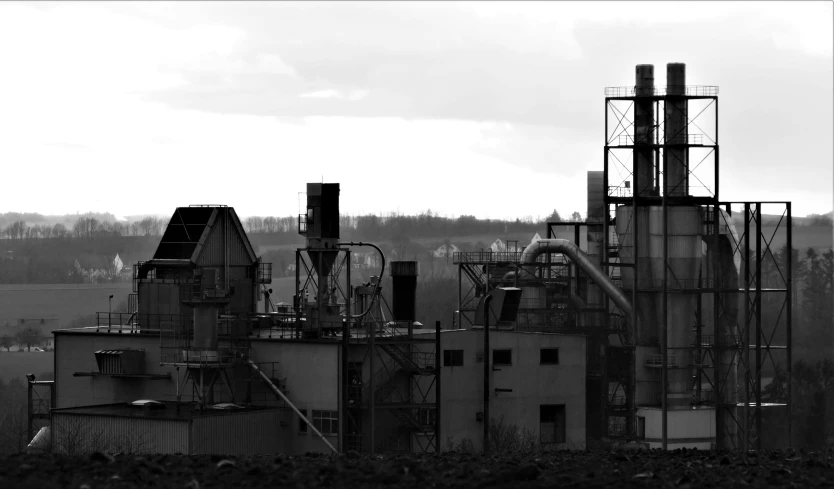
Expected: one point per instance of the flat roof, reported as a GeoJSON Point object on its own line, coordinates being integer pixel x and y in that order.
{"type": "Point", "coordinates": [186, 411]}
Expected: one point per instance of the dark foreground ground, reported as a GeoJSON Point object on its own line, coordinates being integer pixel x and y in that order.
{"type": "Point", "coordinates": [677, 470]}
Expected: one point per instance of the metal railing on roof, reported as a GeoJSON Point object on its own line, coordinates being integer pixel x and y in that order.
{"type": "Point", "coordinates": [630, 140]}
{"type": "Point", "coordinates": [660, 91]}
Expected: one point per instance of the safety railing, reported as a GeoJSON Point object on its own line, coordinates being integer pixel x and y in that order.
{"type": "Point", "coordinates": [124, 322]}
{"type": "Point", "coordinates": [656, 360]}
{"type": "Point", "coordinates": [486, 257]}
{"type": "Point", "coordinates": [620, 191]}
{"type": "Point", "coordinates": [203, 357]}
{"type": "Point", "coordinates": [660, 91]}
{"type": "Point", "coordinates": [630, 140]}
{"type": "Point", "coordinates": [302, 224]}
{"type": "Point", "coordinates": [709, 340]}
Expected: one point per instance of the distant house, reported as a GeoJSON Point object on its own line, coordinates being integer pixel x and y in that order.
{"type": "Point", "coordinates": [363, 260]}
{"type": "Point", "coordinates": [91, 274]}
{"type": "Point", "coordinates": [498, 246]}
{"type": "Point", "coordinates": [118, 266]}
{"type": "Point", "coordinates": [444, 251]}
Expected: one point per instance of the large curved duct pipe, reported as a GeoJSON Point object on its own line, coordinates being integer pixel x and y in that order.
{"type": "Point", "coordinates": [582, 261]}
{"type": "Point", "coordinates": [575, 300]}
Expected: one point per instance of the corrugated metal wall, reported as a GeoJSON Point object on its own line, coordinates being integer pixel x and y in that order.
{"type": "Point", "coordinates": [213, 252]}
{"type": "Point", "coordinates": [75, 433]}
{"type": "Point", "coordinates": [247, 433]}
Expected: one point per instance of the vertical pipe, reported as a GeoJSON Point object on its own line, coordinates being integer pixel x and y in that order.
{"type": "Point", "coordinates": [30, 410]}
{"type": "Point", "coordinates": [717, 332]}
{"type": "Point", "coordinates": [602, 393]}
{"type": "Point", "coordinates": [758, 326]}
{"type": "Point", "coordinates": [636, 267]}
{"type": "Point", "coordinates": [717, 167]}
{"type": "Point", "coordinates": [789, 307]}
{"type": "Point", "coordinates": [345, 381]}
{"type": "Point", "coordinates": [372, 392]}
{"type": "Point", "coordinates": [746, 338]}
{"type": "Point", "coordinates": [438, 376]}
{"type": "Point", "coordinates": [460, 297]}
{"type": "Point", "coordinates": [698, 335]}
{"type": "Point", "coordinates": [605, 130]}
{"type": "Point", "coordinates": [487, 356]}
{"type": "Point", "coordinates": [664, 374]}
{"type": "Point", "coordinates": [299, 293]}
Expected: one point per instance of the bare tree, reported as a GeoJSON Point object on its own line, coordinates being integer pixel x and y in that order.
{"type": "Point", "coordinates": [29, 337]}
{"type": "Point", "coordinates": [59, 231]}
{"type": "Point", "coordinates": [6, 342]}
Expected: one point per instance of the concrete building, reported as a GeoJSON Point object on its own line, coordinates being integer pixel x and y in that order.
{"type": "Point", "coordinates": [328, 371]}
{"type": "Point", "coordinates": [536, 384]}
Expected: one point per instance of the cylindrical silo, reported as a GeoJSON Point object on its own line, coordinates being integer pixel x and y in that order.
{"type": "Point", "coordinates": [644, 122]}
{"type": "Point", "coordinates": [647, 306]}
{"type": "Point", "coordinates": [684, 253]}
{"type": "Point", "coordinates": [676, 154]}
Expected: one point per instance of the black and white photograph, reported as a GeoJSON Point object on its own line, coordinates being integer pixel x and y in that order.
{"type": "Point", "coordinates": [413, 244]}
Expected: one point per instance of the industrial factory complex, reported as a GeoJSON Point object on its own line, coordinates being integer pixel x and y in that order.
{"type": "Point", "coordinates": [643, 323]}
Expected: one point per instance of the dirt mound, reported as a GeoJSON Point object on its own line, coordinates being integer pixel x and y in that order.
{"type": "Point", "coordinates": [679, 469]}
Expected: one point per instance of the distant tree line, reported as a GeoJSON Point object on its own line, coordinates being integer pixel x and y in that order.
{"type": "Point", "coordinates": [84, 227]}
{"type": "Point", "coordinates": [424, 225]}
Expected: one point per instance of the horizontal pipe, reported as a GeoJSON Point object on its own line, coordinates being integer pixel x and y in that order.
{"type": "Point", "coordinates": [582, 261]}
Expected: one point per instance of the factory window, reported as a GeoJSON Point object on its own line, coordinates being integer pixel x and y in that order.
{"type": "Point", "coordinates": [502, 357]}
{"type": "Point", "coordinates": [327, 422]}
{"type": "Point", "coordinates": [452, 358]}
{"type": "Point", "coordinates": [552, 423]}
{"type": "Point", "coordinates": [302, 426]}
{"type": "Point", "coordinates": [549, 356]}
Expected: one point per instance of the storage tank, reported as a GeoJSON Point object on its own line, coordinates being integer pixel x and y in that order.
{"type": "Point", "coordinates": [684, 250]}
{"type": "Point", "coordinates": [647, 305]}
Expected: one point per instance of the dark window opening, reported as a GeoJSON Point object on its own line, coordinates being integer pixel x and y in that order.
{"type": "Point", "coordinates": [549, 356]}
{"type": "Point", "coordinates": [502, 357]}
{"type": "Point", "coordinates": [452, 358]}
{"type": "Point", "coordinates": [302, 426]}
{"type": "Point", "coordinates": [552, 423]}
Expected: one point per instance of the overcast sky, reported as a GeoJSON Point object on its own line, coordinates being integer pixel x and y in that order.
{"type": "Point", "coordinates": [484, 108]}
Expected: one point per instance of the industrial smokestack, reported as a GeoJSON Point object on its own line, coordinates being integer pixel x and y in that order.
{"type": "Point", "coordinates": [644, 129]}
{"type": "Point", "coordinates": [676, 181]}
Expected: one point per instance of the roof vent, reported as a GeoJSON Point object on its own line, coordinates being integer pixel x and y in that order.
{"type": "Point", "coordinates": [124, 362]}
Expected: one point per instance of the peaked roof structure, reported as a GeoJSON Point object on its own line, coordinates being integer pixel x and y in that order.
{"type": "Point", "coordinates": [191, 228]}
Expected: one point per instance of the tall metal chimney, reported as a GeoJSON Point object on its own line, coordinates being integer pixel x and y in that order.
{"type": "Point", "coordinates": [676, 183]}
{"type": "Point", "coordinates": [644, 130]}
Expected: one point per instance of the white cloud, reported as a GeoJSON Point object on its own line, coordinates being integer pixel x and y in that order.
{"type": "Point", "coordinates": [329, 93]}
{"type": "Point", "coordinates": [351, 95]}
{"type": "Point", "coordinates": [72, 73]}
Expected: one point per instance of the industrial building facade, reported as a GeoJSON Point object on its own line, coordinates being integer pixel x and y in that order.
{"type": "Point", "coordinates": [643, 322]}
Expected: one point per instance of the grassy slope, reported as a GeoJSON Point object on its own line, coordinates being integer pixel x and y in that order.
{"type": "Point", "coordinates": [16, 364]}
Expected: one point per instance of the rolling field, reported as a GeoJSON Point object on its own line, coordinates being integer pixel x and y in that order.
{"type": "Point", "coordinates": [62, 302]}
{"type": "Point", "coordinates": [16, 364]}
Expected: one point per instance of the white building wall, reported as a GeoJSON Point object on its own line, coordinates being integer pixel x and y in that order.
{"type": "Point", "coordinates": [311, 370]}
{"type": "Point", "coordinates": [688, 428]}
{"type": "Point", "coordinates": [75, 352]}
{"type": "Point", "coordinates": [532, 384]}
